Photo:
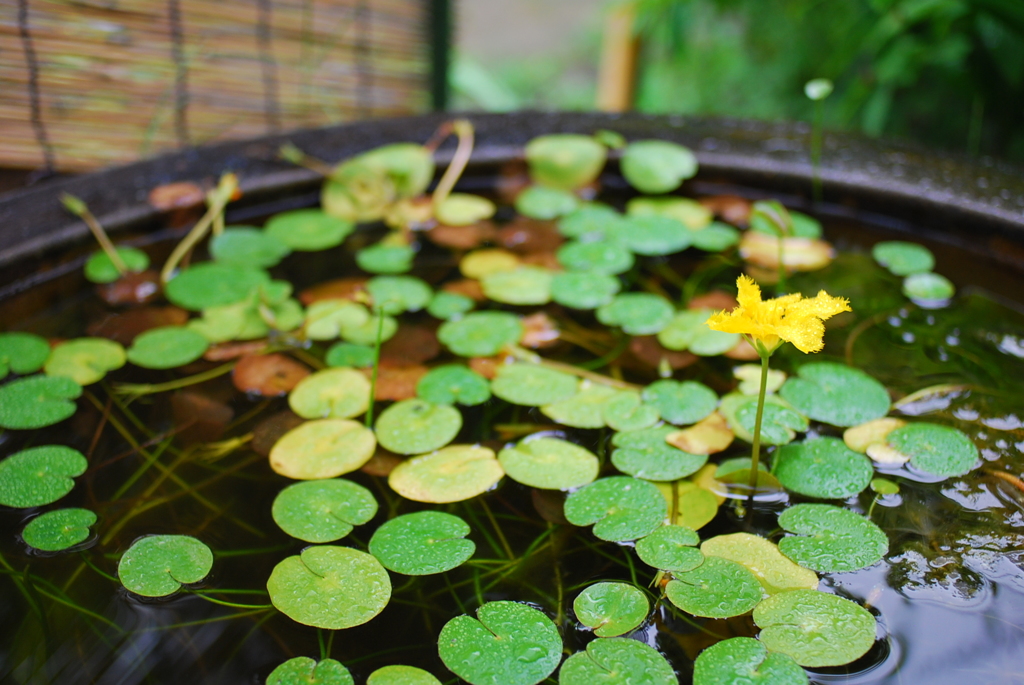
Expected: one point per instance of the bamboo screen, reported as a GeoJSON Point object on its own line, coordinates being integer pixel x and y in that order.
{"type": "Point", "coordinates": [88, 83]}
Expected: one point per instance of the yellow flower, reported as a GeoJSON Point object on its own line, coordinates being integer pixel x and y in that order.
{"type": "Point", "coordinates": [790, 318]}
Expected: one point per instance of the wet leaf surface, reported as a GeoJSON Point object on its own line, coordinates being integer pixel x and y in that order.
{"type": "Point", "coordinates": [831, 540]}
{"type": "Point", "coordinates": [745, 660]}
{"type": "Point", "coordinates": [37, 401]}
{"type": "Point", "coordinates": [718, 588]}
{"type": "Point", "coordinates": [452, 474]}
{"type": "Point", "coordinates": [549, 463]}
{"type": "Point", "coordinates": [323, 448]}
{"type": "Point", "coordinates": [302, 670]}
{"type": "Point", "coordinates": [158, 565]}
{"type": "Point", "coordinates": [611, 609]}
{"type": "Point", "coordinates": [416, 426]}
{"type": "Point", "coordinates": [423, 543]}
{"type": "Point", "coordinates": [619, 507]}
{"type": "Point", "coordinates": [323, 510]}
{"type": "Point", "coordinates": [59, 529]}
{"type": "Point", "coordinates": [39, 475]}
{"type": "Point", "coordinates": [814, 628]}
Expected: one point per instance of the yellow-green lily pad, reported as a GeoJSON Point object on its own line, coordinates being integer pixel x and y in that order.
{"type": "Point", "coordinates": [248, 247]}
{"type": "Point", "coordinates": [167, 347]}
{"type": "Point", "coordinates": [396, 294]}
{"type": "Point", "coordinates": [377, 326]}
{"type": "Point", "coordinates": [671, 548]}
{"type": "Point", "coordinates": [452, 474]}
{"type": "Point", "coordinates": [776, 572]}
{"type": "Point", "coordinates": [716, 237]}
{"type": "Point", "coordinates": [524, 285]}
{"type": "Point", "coordinates": [416, 426]}
{"type": "Point", "coordinates": [747, 661]}
{"type": "Point", "coordinates": [653, 236]}
{"type": "Point", "coordinates": [903, 258]}
{"type": "Point", "coordinates": [590, 220]}
{"type": "Point", "coordinates": [779, 423]}
{"type": "Point", "coordinates": [822, 467]}
{"type": "Point", "coordinates": [85, 360]}
{"type": "Point", "coordinates": [619, 507]}
{"type": "Point", "coordinates": [100, 269]}
{"type": "Point", "coordinates": [549, 463]}
{"type": "Point", "coordinates": [718, 588]}
{"type": "Point", "coordinates": [322, 510]}
{"type": "Point", "coordinates": [541, 202]}
{"type": "Point", "coordinates": [585, 409]}
{"type": "Point", "coordinates": [637, 313]}
{"type": "Point", "coordinates": [831, 540]}
{"type": "Point", "coordinates": [39, 475]}
{"type": "Point", "coordinates": [37, 401]}
{"type": "Point", "coordinates": [657, 166]}
{"type": "Point", "coordinates": [462, 209]}
{"type": "Point", "coordinates": [645, 454]}
{"type": "Point", "coordinates": [22, 353]}
{"type": "Point", "coordinates": [480, 334]}
{"type": "Point", "coordinates": [445, 305]}
{"type": "Point", "coordinates": [401, 675]}
{"type": "Point", "coordinates": [309, 229]}
{"type": "Point", "coordinates": [595, 256]}
{"type": "Point", "coordinates": [611, 609]}
{"type": "Point", "coordinates": [326, 319]}
{"type": "Point", "coordinates": [688, 212]}
{"type": "Point", "coordinates": [687, 330]}
{"type": "Point", "coordinates": [617, 661]}
{"type": "Point", "coordinates": [815, 628]}
{"type": "Point", "coordinates": [532, 385]}
{"type": "Point", "coordinates": [348, 354]}
{"type": "Point", "coordinates": [565, 160]}
{"type": "Point", "coordinates": [454, 384]}
{"type": "Point", "coordinates": [385, 259]}
{"type": "Point", "coordinates": [302, 670]}
{"type": "Point", "coordinates": [626, 411]}
{"type": "Point", "coordinates": [213, 284]}
{"type": "Point", "coordinates": [59, 529]}
{"type": "Point", "coordinates": [583, 289]}
{"type": "Point", "coordinates": [681, 403]}
{"type": "Point", "coordinates": [423, 543]}
{"type": "Point", "coordinates": [324, 448]}
{"type": "Point", "coordinates": [158, 565]}
{"type": "Point", "coordinates": [338, 393]}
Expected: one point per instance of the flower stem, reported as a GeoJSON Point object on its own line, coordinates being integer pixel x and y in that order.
{"type": "Point", "coordinates": [755, 454]}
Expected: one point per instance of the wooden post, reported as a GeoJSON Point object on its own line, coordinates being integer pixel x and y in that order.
{"type": "Point", "coordinates": [616, 77]}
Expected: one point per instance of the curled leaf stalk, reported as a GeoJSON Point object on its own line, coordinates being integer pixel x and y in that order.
{"type": "Point", "coordinates": [77, 207]}
{"type": "Point", "coordinates": [216, 201]}
{"type": "Point", "coordinates": [463, 129]}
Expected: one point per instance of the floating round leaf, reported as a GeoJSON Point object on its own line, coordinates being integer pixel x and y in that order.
{"type": "Point", "coordinates": [85, 360]}
{"type": "Point", "coordinates": [657, 166]}
{"type": "Point", "coordinates": [694, 506]}
{"type": "Point", "coordinates": [836, 394]}
{"type": "Point", "coordinates": [416, 426]}
{"type": "Point", "coordinates": [409, 166]}
{"type": "Point", "coordinates": [653, 235]}
{"type": "Point", "coordinates": [716, 237]}
{"type": "Point", "coordinates": [324, 448]}
{"type": "Point", "coordinates": [302, 670]}
{"type": "Point", "coordinates": [100, 269]}
{"type": "Point", "coordinates": [617, 661]}
{"type": "Point", "coordinates": [158, 565]}
{"type": "Point", "coordinates": [401, 675]}
{"type": "Point", "coordinates": [815, 628]}
{"type": "Point", "coordinates": [385, 259]}
{"type": "Point", "coordinates": [367, 333]}
{"type": "Point", "coordinates": [590, 220]}
{"type": "Point", "coordinates": [213, 284]}
{"type": "Point", "coordinates": [671, 548]}
{"type": "Point", "coordinates": [707, 436]}
{"type": "Point", "coordinates": [480, 263]}
{"type": "Point", "coordinates": [39, 475]}
{"type": "Point", "coordinates": [823, 467]}
{"type": "Point", "coordinates": [830, 539]}
{"type": "Point", "coordinates": [445, 305]}
{"type": "Point", "coordinates": [452, 474]}
{"type": "Point", "coordinates": [322, 510]}
{"type": "Point", "coordinates": [22, 353]}
{"type": "Point", "coordinates": [903, 258]}
{"type": "Point", "coordinates": [687, 331]}
{"type": "Point", "coordinates": [37, 401]}
{"type": "Point", "coordinates": [480, 334]}
{"type": "Point", "coordinates": [596, 256]}
{"type": "Point", "coordinates": [690, 213]}
{"type": "Point", "coordinates": [397, 294]}
{"type": "Point", "coordinates": [583, 290]}
{"type": "Point", "coordinates": [532, 385]}
{"type": "Point", "coordinates": [330, 587]}
{"type": "Point", "coordinates": [681, 403]}
{"type": "Point", "coordinates": [779, 422]}
{"type": "Point", "coordinates": [747, 661]}
{"type": "Point", "coordinates": [585, 409]}
{"type": "Point", "coordinates": [549, 463]}
{"type": "Point", "coordinates": [167, 347]}
{"type": "Point", "coordinates": [775, 572]}
{"type": "Point", "coordinates": [454, 384]}
{"type": "Point", "coordinates": [507, 644]}
{"type": "Point", "coordinates": [645, 454]}
{"type": "Point", "coordinates": [929, 290]}
{"type": "Point", "coordinates": [626, 411]}
{"type": "Point", "coordinates": [422, 543]}
{"type": "Point", "coordinates": [565, 160]}
{"type": "Point", "coordinates": [462, 209]}
{"type": "Point", "coordinates": [347, 354]}
{"type": "Point", "coordinates": [619, 507]}
{"type": "Point", "coordinates": [524, 285]}
{"type": "Point", "coordinates": [637, 313]}
{"type": "Point", "coordinates": [325, 319]}
{"type": "Point", "coordinates": [248, 247]}
{"type": "Point", "coordinates": [935, 449]}
{"type": "Point", "coordinates": [308, 229]}
{"type": "Point", "coordinates": [59, 529]}
{"type": "Point", "coordinates": [718, 588]}
{"type": "Point", "coordinates": [884, 486]}
{"type": "Point", "coordinates": [611, 609]}
{"type": "Point", "coordinates": [338, 393]}
{"type": "Point", "coordinates": [540, 202]}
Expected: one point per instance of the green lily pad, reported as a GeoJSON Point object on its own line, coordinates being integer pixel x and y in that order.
{"type": "Point", "coordinates": [445, 305]}
{"type": "Point", "coordinates": [619, 507]}
{"type": "Point", "coordinates": [330, 587]}
{"type": "Point", "coordinates": [657, 166]}
{"type": "Point", "coordinates": [824, 468]}
{"type": "Point", "coordinates": [409, 166]}
{"type": "Point", "coordinates": [507, 644]}
{"type": "Point", "coordinates": [417, 426]}
{"type": "Point", "coordinates": [308, 229]}
{"type": "Point", "coordinates": [929, 290]}
{"type": "Point", "coordinates": [302, 670]}
{"type": "Point", "coordinates": [454, 384]}
{"type": "Point", "coordinates": [532, 385]}
{"type": "Point", "coordinates": [565, 160]}
{"type": "Point", "coordinates": [480, 334]}
{"type": "Point", "coordinates": [541, 202]}
{"type": "Point", "coordinates": [779, 423]}
{"type": "Point", "coordinates": [322, 510]}
{"type": "Point", "coordinates": [935, 449]}
{"type": "Point", "coordinates": [338, 393]}
{"type": "Point", "coordinates": [637, 313]}
{"type": "Point", "coordinates": [452, 474]}
{"type": "Point", "coordinates": [716, 237]}
{"type": "Point", "coordinates": [158, 565]}
{"type": "Point", "coordinates": [37, 401]}
{"type": "Point", "coordinates": [611, 609]}
{"type": "Point", "coordinates": [85, 360]}
{"type": "Point", "coordinates": [814, 628]}
{"type": "Point", "coordinates": [524, 285]}
{"type": "Point", "coordinates": [100, 269]}
{"type": "Point", "coordinates": [248, 247]}
{"type": "Point", "coordinates": [836, 394]}
{"type": "Point", "coordinates": [385, 259]}
{"type": "Point", "coordinates": [595, 256]}
{"type": "Point", "coordinates": [771, 218]}
{"type": "Point", "coordinates": [462, 209]}
{"type": "Point", "coordinates": [626, 411]}
{"type": "Point", "coordinates": [327, 318]}
{"type": "Point", "coordinates": [213, 284]}
{"type": "Point", "coordinates": [681, 403]}
{"type": "Point", "coordinates": [39, 475]}
{"type": "Point", "coordinates": [58, 530]}
{"type": "Point", "coordinates": [549, 463]}
{"type": "Point", "coordinates": [831, 540]}
{"type": "Point", "coordinates": [747, 661]}
{"type": "Point", "coordinates": [903, 258]}
{"type": "Point", "coordinates": [671, 548]}
{"type": "Point", "coordinates": [589, 220]}
{"type": "Point", "coordinates": [585, 409]}
{"type": "Point", "coordinates": [367, 333]}
{"type": "Point", "coordinates": [687, 331]}
{"type": "Point", "coordinates": [396, 294]}
{"type": "Point", "coordinates": [776, 572]}
{"type": "Point", "coordinates": [22, 353]}
{"type": "Point", "coordinates": [718, 588]}
{"type": "Point", "coordinates": [617, 661]}
{"type": "Point", "coordinates": [347, 354]}
{"type": "Point", "coordinates": [645, 454]}
{"type": "Point", "coordinates": [324, 448]}
{"type": "Point", "coordinates": [167, 347]}
{"type": "Point", "coordinates": [422, 543]}
{"type": "Point", "coordinates": [690, 213]}
{"type": "Point", "coordinates": [653, 235]}
{"type": "Point", "coordinates": [401, 675]}
{"type": "Point", "coordinates": [583, 290]}
{"type": "Point", "coordinates": [884, 486]}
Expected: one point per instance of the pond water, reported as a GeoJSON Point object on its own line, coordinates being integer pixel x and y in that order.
{"type": "Point", "coordinates": [948, 595]}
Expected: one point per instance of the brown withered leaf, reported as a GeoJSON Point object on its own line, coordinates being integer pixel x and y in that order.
{"type": "Point", "coordinates": [525, 235]}
{"type": "Point", "coordinates": [381, 464]}
{"type": "Point", "coordinates": [396, 382]}
{"type": "Point", "coordinates": [462, 237]}
{"type": "Point", "coordinates": [269, 375]}
{"type": "Point", "coordinates": [180, 195]}
{"type": "Point", "coordinates": [716, 299]}
{"type": "Point", "coordinates": [124, 326]}
{"type": "Point", "coordinates": [132, 288]}
{"type": "Point", "coordinates": [233, 350]}
{"type": "Point", "coordinates": [650, 352]}
{"type": "Point", "coordinates": [340, 288]}
{"type": "Point", "coordinates": [410, 345]}
{"type": "Point", "coordinates": [708, 436]}
{"type": "Point", "coordinates": [270, 430]}
{"type": "Point", "coordinates": [470, 287]}
{"type": "Point", "coordinates": [743, 351]}
{"type": "Point", "coordinates": [547, 260]}
{"type": "Point", "coordinates": [798, 254]}
{"type": "Point", "coordinates": [486, 366]}
{"type": "Point", "coordinates": [513, 178]}
{"type": "Point", "coordinates": [730, 208]}
{"type": "Point", "coordinates": [539, 331]}
{"type": "Point", "coordinates": [201, 418]}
